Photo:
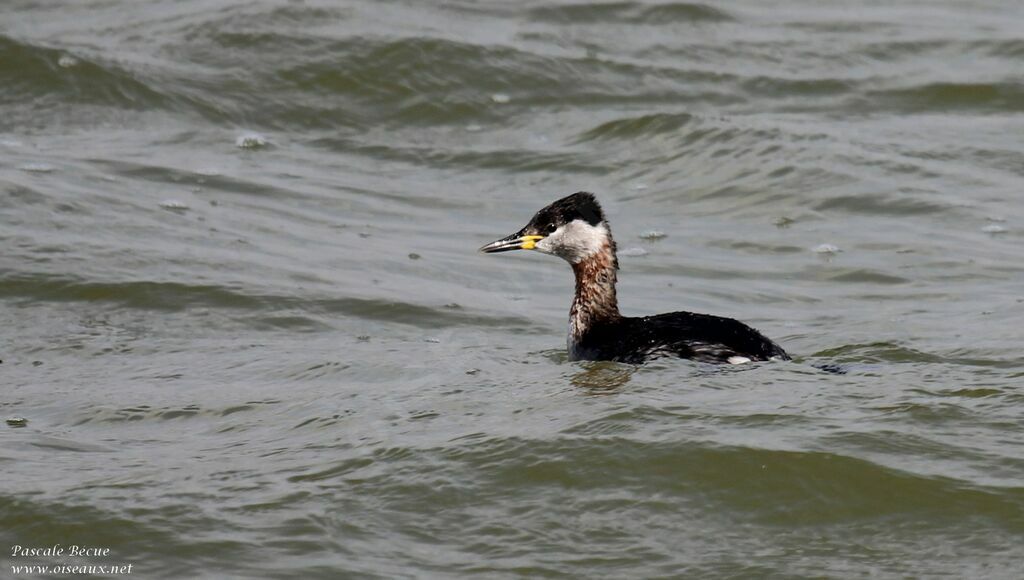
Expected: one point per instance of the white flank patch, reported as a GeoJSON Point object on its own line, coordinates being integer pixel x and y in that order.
{"type": "Point", "coordinates": [737, 360]}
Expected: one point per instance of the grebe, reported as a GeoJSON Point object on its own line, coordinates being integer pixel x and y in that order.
{"type": "Point", "coordinates": [574, 229]}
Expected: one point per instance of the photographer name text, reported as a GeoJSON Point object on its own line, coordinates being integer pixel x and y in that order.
{"type": "Point", "coordinates": [58, 550]}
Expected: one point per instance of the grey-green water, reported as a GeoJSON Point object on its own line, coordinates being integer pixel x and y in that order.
{"type": "Point", "coordinates": [243, 314]}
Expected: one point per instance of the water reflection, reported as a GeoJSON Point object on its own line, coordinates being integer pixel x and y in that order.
{"type": "Point", "coordinates": [603, 378]}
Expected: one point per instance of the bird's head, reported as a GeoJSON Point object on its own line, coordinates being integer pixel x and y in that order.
{"type": "Point", "coordinates": [572, 228]}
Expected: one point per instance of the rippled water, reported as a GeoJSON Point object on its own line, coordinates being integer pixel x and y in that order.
{"type": "Point", "coordinates": [244, 317]}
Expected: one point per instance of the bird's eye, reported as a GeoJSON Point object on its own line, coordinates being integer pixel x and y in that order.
{"type": "Point", "coordinates": [549, 229]}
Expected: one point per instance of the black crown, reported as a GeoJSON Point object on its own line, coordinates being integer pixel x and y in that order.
{"type": "Point", "coordinates": [578, 206]}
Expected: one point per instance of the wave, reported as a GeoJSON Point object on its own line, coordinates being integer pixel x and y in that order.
{"type": "Point", "coordinates": [638, 127]}
{"type": "Point", "coordinates": [37, 72]}
{"type": "Point", "coordinates": [768, 485]}
{"type": "Point", "coordinates": [176, 297]}
{"type": "Point", "coordinates": [630, 13]}
{"type": "Point", "coordinates": [947, 96]}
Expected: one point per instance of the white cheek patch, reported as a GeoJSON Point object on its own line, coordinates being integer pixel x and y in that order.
{"type": "Point", "coordinates": [575, 241]}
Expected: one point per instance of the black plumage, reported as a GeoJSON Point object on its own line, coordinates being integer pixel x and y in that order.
{"type": "Point", "coordinates": [700, 337]}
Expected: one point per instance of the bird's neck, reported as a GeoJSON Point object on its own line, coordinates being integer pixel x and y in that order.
{"type": "Point", "coordinates": [595, 300]}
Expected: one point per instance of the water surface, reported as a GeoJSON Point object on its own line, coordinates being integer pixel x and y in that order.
{"type": "Point", "coordinates": [243, 314]}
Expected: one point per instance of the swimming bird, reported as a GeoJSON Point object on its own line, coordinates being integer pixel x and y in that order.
{"type": "Point", "coordinates": [574, 228]}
